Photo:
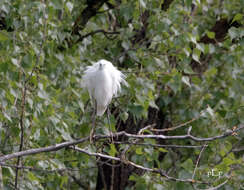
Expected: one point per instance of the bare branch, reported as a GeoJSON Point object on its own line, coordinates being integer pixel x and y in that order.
{"type": "Point", "coordinates": [238, 149]}
{"type": "Point", "coordinates": [37, 169]}
{"type": "Point", "coordinates": [86, 14]}
{"type": "Point", "coordinates": [164, 137]}
{"type": "Point", "coordinates": [159, 171]}
{"type": "Point", "coordinates": [40, 150]}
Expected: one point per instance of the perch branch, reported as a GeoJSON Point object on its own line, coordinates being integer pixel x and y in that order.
{"type": "Point", "coordinates": [122, 133]}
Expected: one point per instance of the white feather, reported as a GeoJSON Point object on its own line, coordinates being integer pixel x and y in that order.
{"type": "Point", "coordinates": [103, 81]}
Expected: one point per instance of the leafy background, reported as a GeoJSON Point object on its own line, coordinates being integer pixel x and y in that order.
{"type": "Point", "coordinates": [183, 60]}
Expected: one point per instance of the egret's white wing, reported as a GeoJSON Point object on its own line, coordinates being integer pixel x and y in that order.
{"type": "Point", "coordinates": [103, 91]}
{"type": "Point", "coordinates": [118, 78]}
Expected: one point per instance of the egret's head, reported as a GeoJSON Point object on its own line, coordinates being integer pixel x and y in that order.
{"type": "Point", "coordinates": [102, 64]}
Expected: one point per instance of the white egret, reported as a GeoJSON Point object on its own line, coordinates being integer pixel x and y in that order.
{"type": "Point", "coordinates": [103, 81]}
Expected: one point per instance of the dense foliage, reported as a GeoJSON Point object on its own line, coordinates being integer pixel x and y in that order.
{"type": "Point", "coordinates": [184, 64]}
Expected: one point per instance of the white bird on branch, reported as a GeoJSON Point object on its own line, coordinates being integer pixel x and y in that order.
{"type": "Point", "coordinates": [103, 81]}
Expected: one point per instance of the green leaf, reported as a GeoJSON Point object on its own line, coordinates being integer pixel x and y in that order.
{"type": "Point", "coordinates": [124, 116]}
{"type": "Point", "coordinates": [137, 110]}
{"type": "Point", "coordinates": [139, 151]}
{"type": "Point", "coordinates": [27, 61]}
{"type": "Point", "coordinates": [237, 17]}
{"type": "Point", "coordinates": [70, 6]}
{"type": "Point", "coordinates": [188, 3]}
{"type": "Point", "coordinates": [211, 72]}
{"type": "Point", "coordinates": [210, 111]}
{"type": "Point", "coordinates": [112, 151]}
{"type": "Point", "coordinates": [233, 33]}
{"type": "Point", "coordinates": [187, 51]}
{"type": "Point", "coordinates": [162, 150]}
{"type": "Point", "coordinates": [153, 104]}
{"type": "Point", "coordinates": [15, 62]}
{"type": "Point", "coordinates": [3, 35]}
{"type": "Point", "coordinates": [211, 35]}
{"type": "Point", "coordinates": [142, 3]}
{"type": "Point", "coordinates": [64, 180]}
{"type": "Point", "coordinates": [196, 55]}
{"type": "Point", "coordinates": [188, 165]}
{"type": "Point", "coordinates": [200, 47]}
{"type": "Point", "coordinates": [7, 116]}
{"type": "Point", "coordinates": [186, 80]}
{"type": "Point", "coordinates": [31, 176]}
{"type": "Point", "coordinates": [42, 94]}
{"type": "Point", "coordinates": [188, 70]}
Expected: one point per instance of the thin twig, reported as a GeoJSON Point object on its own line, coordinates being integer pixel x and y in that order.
{"type": "Point", "coordinates": [77, 181]}
{"type": "Point", "coordinates": [22, 115]}
{"type": "Point", "coordinates": [94, 154]}
{"type": "Point", "coordinates": [176, 127]}
{"type": "Point", "coordinates": [97, 31]}
{"type": "Point", "coordinates": [145, 128]}
{"type": "Point", "coordinates": [159, 145]}
{"type": "Point", "coordinates": [198, 159]}
{"type": "Point", "coordinates": [23, 102]}
{"type": "Point", "coordinates": [41, 49]}
{"type": "Point", "coordinates": [1, 178]}
{"type": "Point", "coordinates": [217, 187]}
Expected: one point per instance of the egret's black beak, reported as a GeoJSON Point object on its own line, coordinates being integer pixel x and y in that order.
{"type": "Point", "coordinates": [100, 66]}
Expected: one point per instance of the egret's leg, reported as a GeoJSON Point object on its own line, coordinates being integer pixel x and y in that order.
{"type": "Point", "coordinates": [109, 124]}
{"type": "Point", "coordinates": [93, 121]}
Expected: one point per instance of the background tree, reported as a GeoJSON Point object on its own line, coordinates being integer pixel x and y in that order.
{"type": "Point", "coordinates": [178, 126]}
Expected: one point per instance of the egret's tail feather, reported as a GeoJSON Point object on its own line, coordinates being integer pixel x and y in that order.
{"type": "Point", "coordinates": [100, 110]}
